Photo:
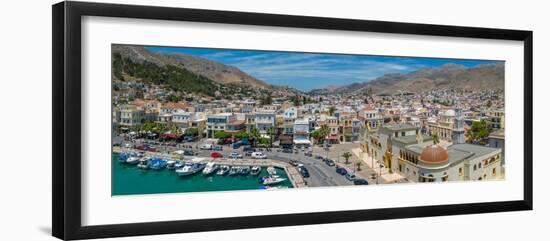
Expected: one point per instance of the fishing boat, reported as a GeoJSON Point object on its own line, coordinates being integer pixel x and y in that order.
{"type": "Point", "coordinates": [273, 180]}
{"type": "Point", "coordinates": [156, 164]}
{"type": "Point", "coordinates": [171, 164]}
{"type": "Point", "coordinates": [190, 169]}
{"type": "Point", "coordinates": [234, 170]}
{"type": "Point", "coordinates": [271, 171]}
{"type": "Point", "coordinates": [255, 170]}
{"type": "Point", "coordinates": [143, 163]}
{"type": "Point", "coordinates": [244, 170]}
{"type": "Point", "coordinates": [223, 170]}
{"type": "Point", "coordinates": [122, 157]}
{"type": "Point", "coordinates": [179, 164]}
{"type": "Point", "coordinates": [133, 159]}
{"type": "Point", "coordinates": [210, 168]}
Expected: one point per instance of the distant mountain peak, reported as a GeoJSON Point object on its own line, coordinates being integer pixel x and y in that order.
{"type": "Point", "coordinates": [481, 77]}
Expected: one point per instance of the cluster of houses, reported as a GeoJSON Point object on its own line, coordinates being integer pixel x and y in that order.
{"type": "Point", "coordinates": [397, 131]}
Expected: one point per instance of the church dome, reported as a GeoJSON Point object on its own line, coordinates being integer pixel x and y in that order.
{"type": "Point", "coordinates": [434, 155]}
{"type": "Point", "coordinates": [450, 112]}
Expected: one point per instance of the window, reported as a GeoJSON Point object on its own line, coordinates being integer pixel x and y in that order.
{"type": "Point", "coordinates": [494, 171]}
{"type": "Point", "coordinates": [475, 167]}
{"type": "Point", "coordinates": [460, 171]}
{"type": "Point", "coordinates": [479, 165]}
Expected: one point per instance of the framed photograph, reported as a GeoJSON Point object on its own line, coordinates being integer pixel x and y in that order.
{"type": "Point", "coordinates": [170, 120]}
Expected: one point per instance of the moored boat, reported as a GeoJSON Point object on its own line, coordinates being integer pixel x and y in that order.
{"type": "Point", "coordinates": [143, 163]}
{"type": "Point", "coordinates": [273, 180]}
{"type": "Point", "coordinates": [190, 169]}
{"type": "Point", "coordinates": [210, 168]}
{"type": "Point", "coordinates": [171, 164]}
{"type": "Point", "coordinates": [224, 169]}
{"type": "Point", "coordinates": [244, 170]}
{"type": "Point", "coordinates": [133, 159]}
{"type": "Point", "coordinates": [271, 171]}
{"type": "Point", "coordinates": [234, 170]}
{"type": "Point", "coordinates": [255, 170]}
{"type": "Point", "coordinates": [156, 164]}
{"type": "Point", "coordinates": [122, 157]}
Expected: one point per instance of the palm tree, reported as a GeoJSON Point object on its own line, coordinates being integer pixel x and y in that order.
{"type": "Point", "coordinates": [255, 135]}
{"type": "Point", "coordinates": [324, 131]}
{"type": "Point", "coordinates": [331, 110]}
{"type": "Point", "coordinates": [358, 164]}
{"type": "Point", "coordinates": [346, 156]}
{"type": "Point", "coordinates": [271, 132]}
{"type": "Point", "coordinates": [435, 139]}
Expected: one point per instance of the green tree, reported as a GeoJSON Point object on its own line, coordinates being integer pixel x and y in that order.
{"type": "Point", "coordinates": [479, 131]}
{"type": "Point", "coordinates": [193, 131]}
{"type": "Point", "coordinates": [241, 134]}
{"type": "Point", "coordinates": [254, 135]}
{"type": "Point", "coordinates": [331, 110]}
{"type": "Point", "coordinates": [222, 134]}
{"type": "Point", "coordinates": [346, 156]}
{"type": "Point", "coordinates": [272, 131]}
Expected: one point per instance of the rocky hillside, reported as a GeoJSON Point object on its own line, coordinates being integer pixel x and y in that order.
{"type": "Point", "coordinates": [220, 73]}
{"type": "Point", "coordinates": [482, 77]}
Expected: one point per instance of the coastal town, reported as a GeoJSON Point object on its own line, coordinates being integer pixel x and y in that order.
{"type": "Point", "coordinates": [331, 140]}
{"type": "Point", "coordinates": [182, 122]}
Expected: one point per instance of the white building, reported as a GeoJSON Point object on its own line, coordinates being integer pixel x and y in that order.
{"type": "Point", "coordinates": [301, 132]}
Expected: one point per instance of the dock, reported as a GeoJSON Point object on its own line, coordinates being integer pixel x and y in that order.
{"type": "Point", "coordinates": [293, 174]}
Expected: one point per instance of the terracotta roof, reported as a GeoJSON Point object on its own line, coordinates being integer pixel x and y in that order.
{"type": "Point", "coordinates": [174, 105]}
{"type": "Point", "coordinates": [434, 155]}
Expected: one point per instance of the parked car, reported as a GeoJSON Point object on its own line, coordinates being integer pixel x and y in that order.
{"type": "Point", "coordinates": [308, 153]}
{"type": "Point", "coordinates": [206, 147]}
{"type": "Point", "coordinates": [216, 155]}
{"type": "Point", "coordinates": [303, 171]}
{"type": "Point", "coordinates": [318, 157]}
{"type": "Point", "coordinates": [360, 181]}
{"type": "Point", "coordinates": [248, 153]}
{"type": "Point", "coordinates": [342, 171]}
{"type": "Point", "coordinates": [330, 162]}
{"type": "Point", "coordinates": [217, 148]}
{"type": "Point", "coordinates": [248, 148]}
{"type": "Point", "coordinates": [235, 155]}
{"type": "Point", "coordinates": [287, 150]}
{"type": "Point", "coordinates": [188, 153]}
{"type": "Point", "coordinates": [294, 163]}
{"type": "Point", "coordinates": [258, 155]}
{"type": "Point", "coordinates": [350, 176]}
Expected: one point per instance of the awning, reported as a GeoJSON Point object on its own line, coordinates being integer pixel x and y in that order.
{"type": "Point", "coordinates": [302, 141]}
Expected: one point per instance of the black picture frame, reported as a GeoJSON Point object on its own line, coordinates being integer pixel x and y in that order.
{"type": "Point", "coordinates": [66, 59]}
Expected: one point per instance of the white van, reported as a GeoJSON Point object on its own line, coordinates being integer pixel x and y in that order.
{"type": "Point", "coordinates": [258, 155]}
{"type": "Point", "coordinates": [206, 147]}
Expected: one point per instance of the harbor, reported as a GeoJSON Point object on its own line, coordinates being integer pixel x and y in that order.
{"type": "Point", "coordinates": [153, 173]}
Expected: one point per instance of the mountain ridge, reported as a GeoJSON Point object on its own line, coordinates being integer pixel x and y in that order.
{"type": "Point", "coordinates": [481, 77]}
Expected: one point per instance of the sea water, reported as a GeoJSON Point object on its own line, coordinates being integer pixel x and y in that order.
{"type": "Point", "coordinates": [129, 179]}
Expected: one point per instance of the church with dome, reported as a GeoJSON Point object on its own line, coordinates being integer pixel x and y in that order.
{"type": "Point", "coordinates": [404, 150]}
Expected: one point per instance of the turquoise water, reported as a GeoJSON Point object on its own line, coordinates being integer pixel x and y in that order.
{"type": "Point", "coordinates": [129, 179]}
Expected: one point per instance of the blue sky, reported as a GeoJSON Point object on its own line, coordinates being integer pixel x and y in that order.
{"type": "Point", "coordinates": [307, 71]}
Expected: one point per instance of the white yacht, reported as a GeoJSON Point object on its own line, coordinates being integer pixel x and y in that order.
{"type": "Point", "coordinates": [210, 168]}
{"type": "Point", "coordinates": [190, 169]}
{"type": "Point", "coordinates": [273, 180]}
{"type": "Point", "coordinates": [255, 170]}
{"type": "Point", "coordinates": [271, 171]}
{"type": "Point", "coordinates": [223, 170]}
